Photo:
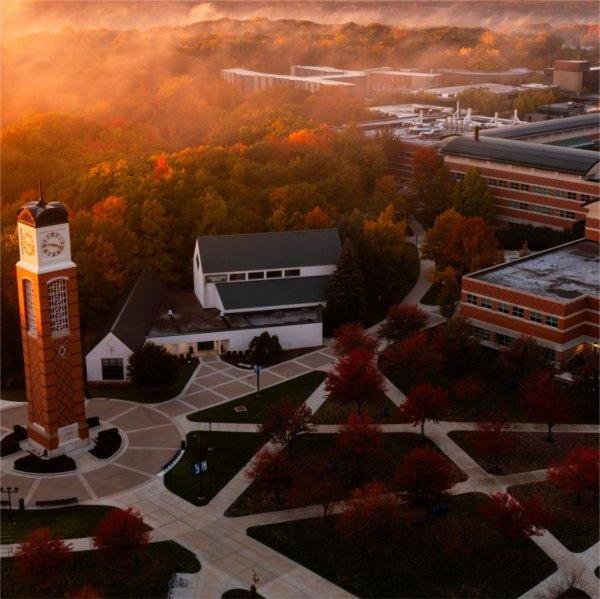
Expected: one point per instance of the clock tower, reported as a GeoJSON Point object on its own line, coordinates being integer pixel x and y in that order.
{"type": "Point", "coordinates": [49, 311]}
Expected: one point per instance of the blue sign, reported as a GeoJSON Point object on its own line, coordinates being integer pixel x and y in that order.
{"type": "Point", "coordinates": [200, 467]}
{"type": "Point", "coordinates": [257, 369]}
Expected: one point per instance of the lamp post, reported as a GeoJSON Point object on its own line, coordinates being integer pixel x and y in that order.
{"type": "Point", "coordinates": [210, 445]}
{"type": "Point", "coordinates": [257, 370]}
{"type": "Point", "coordinates": [9, 490]}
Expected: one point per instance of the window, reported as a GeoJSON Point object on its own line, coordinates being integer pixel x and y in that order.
{"type": "Point", "coordinates": [273, 274]}
{"type": "Point", "coordinates": [215, 279]}
{"type": "Point", "coordinates": [237, 276]}
{"type": "Point", "coordinates": [59, 307]}
{"type": "Point", "coordinates": [197, 262]}
{"type": "Point", "coordinates": [503, 340]}
{"type": "Point", "coordinates": [482, 334]}
{"type": "Point", "coordinates": [112, 369]}
{"type": "Point", "coordinates": [571, 195]}
{"type": "Point", "coordinates": [204, 345]}
{"type": "Point", "coordinates": [292, 272]}
{"type": "Point", "coordinates": [471, 299]}
{"type": "Point", "coordinates": [551, 355]}
{"type": "Point", "coordinates": [552, 321]}
{"type": "Point", "coordinates": [256, 275]}
{"type": "Point", "coordinates": [29, 306]}
{"type": "Point", "coordinates": [518, 312]}
{"type": "Point", "coordinates": [535, 317]}
{"type": "Point", "coordinates": [502, 307]}
{"type": "Point", "coordinates": [486, 303]}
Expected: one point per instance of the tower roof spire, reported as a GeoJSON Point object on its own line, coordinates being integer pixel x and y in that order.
{"type": "Point", "coordinates": [41, 201]}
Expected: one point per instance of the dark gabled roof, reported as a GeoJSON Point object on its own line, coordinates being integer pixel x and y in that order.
{"type": "Point", "coordinates": [133, 314]}
{"type": "Point", "coordinates": [546, 157]}
{"type": "Point", "coordinates": [541, 127]}
{"type": "Point", "coordinates": [289, 291]}
{"type": "Point", "coordinates": [258, 251]}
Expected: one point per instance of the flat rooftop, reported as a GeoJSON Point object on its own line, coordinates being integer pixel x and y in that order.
{"type": "Point", "coordinates": [561, 274]}
{"type": "Point", "coordinates": [273, 317]}
{"type": "Point", "coordinates": [453, 90]}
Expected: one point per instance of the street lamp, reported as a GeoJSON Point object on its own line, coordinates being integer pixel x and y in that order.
{"type": "Point", "coordinates": [9, 490]}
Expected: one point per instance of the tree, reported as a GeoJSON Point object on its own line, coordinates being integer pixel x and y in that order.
{"type": "Point", "coordinates": [265, 349]}
{"type": "Point", "coordinates": [152, 366]}
{"type": "Point", "coordinates": [412, 360]}
{"type": "Point", "coordinates": [284, 421]}
{"type": "Point", "coordinates": [353, 336]}
{"type": "Point", "coordinates": [469, 388]}
{"type": "Point", "coordinates": [424, 402]}
{"type": "Point", "coordinates": [371, 518]}
{"type": "Point", "coordinates": [40, 562]}
{"type": "Point", "coordinates": [425, 477]}
{"type": "Point", "coordinates": [514, 518]}
{"type": "Point", "coordinates": [449, 293]}
{"type": "Point", "coordinates": [272, 471]}
{"type": "Point", "coordinates": [531, 99]}
{"type": "Point", "coordinates": [402, 321]}
{"type": "Point", "coordinates": [87, 592]}
{"type": "Point", "coordinates": [585, 371]}
{"type": "Point", "coordinates": [472, 196]}
{"type": "Point", "coordinates": [121, 536]}
{"type": "Point", "coordinates": [494, 441]}
{"type": "Point", "coordinates": [522, 358]}
{"type": "Point", "coordinates": [355, 378]}
{"type": "Point", "coordinates": [317, 218]}
{"type": "Point", "coordinates": [483, 101]}
{"type": "Point", "coordinates": [541, 396]}
{"type": "Point", "coordinates": [346, 299]}
{"type": "Point", "coordinates": [457, 343]}
{"type": "Point", "coordinates": [577, 474]}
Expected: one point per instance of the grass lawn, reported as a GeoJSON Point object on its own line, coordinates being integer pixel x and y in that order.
{"type": "Point", "coordinates": [296, 390]}
{"type": "Point", "coordinates": [382, 410]}
{"type": "Point", "coordinates": [149, 580]}
{"type": "Point", "coordinates": [132, 392]}
{"type": "Point", "coordinates": [232, 451]}
{"type": "Point", "coordinates": [431, 297]}
{"type": "Point", "coordinates": [256, 499]}
{"type": "Point", "coordinates": [576, 525]}
{"type": "Point", "coordinates": [66, 522]}
{"type": "Point", "coordinates": [530, 450]}
{"type": "Point", "coordinates": [417, 561]}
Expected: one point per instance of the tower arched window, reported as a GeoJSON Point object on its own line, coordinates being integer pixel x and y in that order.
{"type": "Point", "coordinates": [59, 306]}
{"type": "Point", "coordinates": [29, 306]}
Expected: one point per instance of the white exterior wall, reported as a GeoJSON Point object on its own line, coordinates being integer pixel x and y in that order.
{"type": "Point", "coordinates": [198, 276]}
{"type": "Point", "coordinates": [109, 347]}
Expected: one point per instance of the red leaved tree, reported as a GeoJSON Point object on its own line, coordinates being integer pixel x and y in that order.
{"type": "Point", "coordinates": [425, 477]}
{"type": "Point", "coordinates": [285, 420]}
{"type": "Point", "coordinates": [40, 562]}
{"type": "Point", "coordinates": [411, 361]}
{"type": "Point", "coordinates": [541, 396]}
{"type": "Point", "coordinates": [516, 518]}
{"type": "Point", "coordinates": [577, 474]}
{"type": "Point", "coordinates": [402, 321]}
{"type": "Point", "coordinates": [272, 471]}
{"type": "Point", "coordinates": [469, 388]}
{"type": "Point", "coordinates": [355, 378]}
{"type": "Point", "coordinates": [370, 517]}
{"type": "Point", "coordinates": [424, 402]}
{"type": "Point", "coordinates": [494, 441]}
{"type": "Point", "coordinates": [87, 592]}
{"type": "Point", "coordinates": [353, 336]}
{"type": "Point", "coordinates": [121, 536]}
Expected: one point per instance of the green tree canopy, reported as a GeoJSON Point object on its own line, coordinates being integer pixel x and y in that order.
{"type": "Point", "coordinates": [472, 196]}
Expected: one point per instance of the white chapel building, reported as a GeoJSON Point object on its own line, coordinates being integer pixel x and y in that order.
{"type": "Point", "coordinates": [243, 285]}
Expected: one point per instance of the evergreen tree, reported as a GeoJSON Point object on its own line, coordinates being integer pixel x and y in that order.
{"type": "Point", "coordinates": [472, 196]}
{"type": "Point", "coordinates": [346, 299]}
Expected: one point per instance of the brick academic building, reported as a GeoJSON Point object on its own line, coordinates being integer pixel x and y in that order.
{"type": "Point", "coordinates": [551, 296]}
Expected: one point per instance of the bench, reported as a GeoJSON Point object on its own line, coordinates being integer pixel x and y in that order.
{"type": "Point", "coordinates": [56, 502]}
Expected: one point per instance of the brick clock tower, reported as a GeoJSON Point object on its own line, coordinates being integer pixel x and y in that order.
{"type": "Point", "coordinates": [49, 311]}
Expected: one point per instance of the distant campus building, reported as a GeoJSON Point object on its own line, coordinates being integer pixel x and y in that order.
{"type": "Point", "coordinates": [243, 285]}
{"type": "Point", "coordinates": [552, 296]}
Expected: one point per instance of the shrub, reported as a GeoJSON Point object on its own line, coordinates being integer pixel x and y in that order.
{"type": "Point", "coordinates": [36, 464]}
{"type": "Point", "coordinates": [108, 443]}
{"type": "Point", "coordinates": [11, 443]}
{"type": "Point", "coordinates": [152, 366]}
{"type": "Point", "coordinates": [402, 321]}
{"type": "Point", "coordinates": [265, 349]}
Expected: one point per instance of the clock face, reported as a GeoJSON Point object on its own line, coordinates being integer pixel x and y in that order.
{"type": "Point", "coordinates": [53, 244]}
{"type": "Point", "coordinates": [27, 244]}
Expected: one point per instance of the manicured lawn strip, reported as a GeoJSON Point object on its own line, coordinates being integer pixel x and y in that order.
{"type": "Point", "coordinates": [67, 522]}
{"type": "Point", "coordinates": [232, 451]}
{"type": "Point", "coordinates": [575, 525]}
{"type": "Point", "coordinates": [382, 410]}
{"type": "Point", "coordinates": [418, 562]}
{"type": "Point", "coordinates": [158, 563]}
{"type": "Point", "coordinates": [142, 395]}
{"type": "Point", "coordinates": [256, 499]}
{"type": "Point", "coordinates": [431, 297]}
{"type": "Point", "coordinates": [296, 390]}
{"type": "Point", "coordinates": [530, 450]}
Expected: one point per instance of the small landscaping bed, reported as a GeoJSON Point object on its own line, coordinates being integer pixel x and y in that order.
{"type": "Point", "coordinates": [107, 444]}
{"type": "Point", "coordinates": [157, 564]}
{"type": "Point", "coordinates": [240, 594]}
{"type": "Point", "coordinates": [382, 410]}
{"type": "Point", "coordinates": [420, 562]}
{"type": "Point", "coordinates": [296, 390]}
{"type": "Point", "coordinates": [256, 499]}
{"type": "Point", "coordinates": [576, 525]}
{"type": "Point", "coordinates": [231, 452]}
{"type": "Point", "coordinates": [38, 465]}
{"type": "Point", "coordinates": [66, 522]}
{"type": "Point", "coordinates": [530, 451]}
{"type": "Point", "coordinates": [11, 443]}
